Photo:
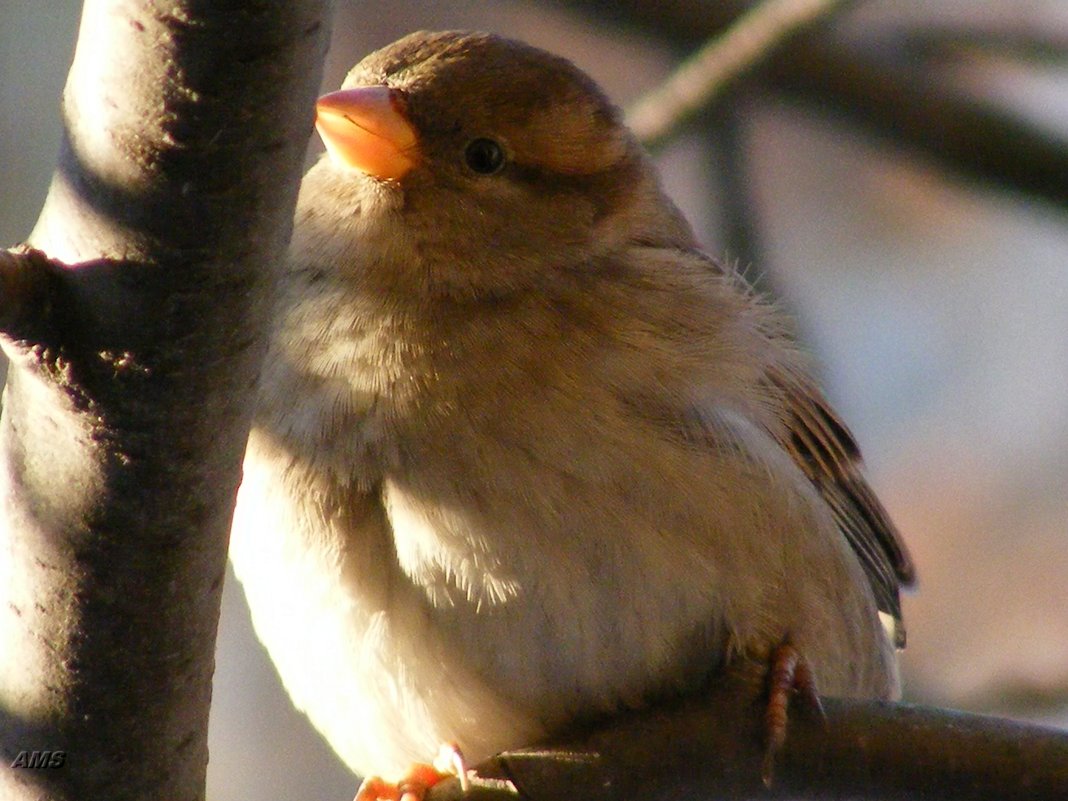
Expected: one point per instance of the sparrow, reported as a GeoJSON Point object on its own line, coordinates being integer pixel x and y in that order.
{"type": "Point", "coordinates": [524, 455]}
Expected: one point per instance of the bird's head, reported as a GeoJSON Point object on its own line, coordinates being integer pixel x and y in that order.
{"type": "Point", "coordinates": [473, 164]}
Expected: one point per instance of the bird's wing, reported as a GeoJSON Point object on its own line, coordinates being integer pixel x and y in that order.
{"type": "Point", "coordinates": [824, 448]}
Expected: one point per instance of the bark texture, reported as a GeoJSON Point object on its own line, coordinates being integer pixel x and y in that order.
{"type": "Point", "coordinates": [134, 348]}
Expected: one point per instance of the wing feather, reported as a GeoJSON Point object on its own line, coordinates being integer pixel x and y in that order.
{"type": "Point", "coordinates": [822, 445]}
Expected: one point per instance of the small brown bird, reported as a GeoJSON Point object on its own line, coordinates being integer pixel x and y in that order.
{"type": "Point", "coordinates": [524, 454]}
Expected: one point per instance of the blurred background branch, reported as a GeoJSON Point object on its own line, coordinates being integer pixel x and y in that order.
{"type": "Point", "coordinates": [881, 83]}
{"type": "Point", "coordinates": [752, 37]}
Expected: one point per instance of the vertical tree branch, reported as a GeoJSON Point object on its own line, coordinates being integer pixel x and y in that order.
{"type": "Point", "coordinates": [130, 390]}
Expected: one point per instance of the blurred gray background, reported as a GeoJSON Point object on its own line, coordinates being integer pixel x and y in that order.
{"type": "Point", "coordinates": [937, 309]}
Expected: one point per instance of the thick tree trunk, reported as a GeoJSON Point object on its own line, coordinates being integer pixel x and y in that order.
{"type": "Point", "coordinates": [134, 351]}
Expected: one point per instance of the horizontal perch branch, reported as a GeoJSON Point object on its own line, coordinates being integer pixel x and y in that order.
{"type": "Point", "coordinates": [710, 747]}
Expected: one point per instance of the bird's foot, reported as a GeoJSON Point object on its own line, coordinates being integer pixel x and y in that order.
{"type": "Point", "coordinates": [789, 673]}
{"type": "Point", "coordinates": [418, 779]}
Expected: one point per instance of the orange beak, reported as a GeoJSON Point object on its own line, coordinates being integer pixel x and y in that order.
{"type": "Point", "coordinates": [366, 129]}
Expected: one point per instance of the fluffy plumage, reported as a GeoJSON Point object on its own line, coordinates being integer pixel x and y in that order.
{"type": "Point", "coordinates": [523, 453]}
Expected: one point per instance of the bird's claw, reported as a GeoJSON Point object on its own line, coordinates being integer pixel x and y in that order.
{"type": "Point", "coordinates": [418, 779]}
{"type": "Point", "coordinates": [789, 673]}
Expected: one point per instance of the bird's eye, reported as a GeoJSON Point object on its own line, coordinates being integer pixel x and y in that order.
{"type": "Point", "coordinates": [484, 156]}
